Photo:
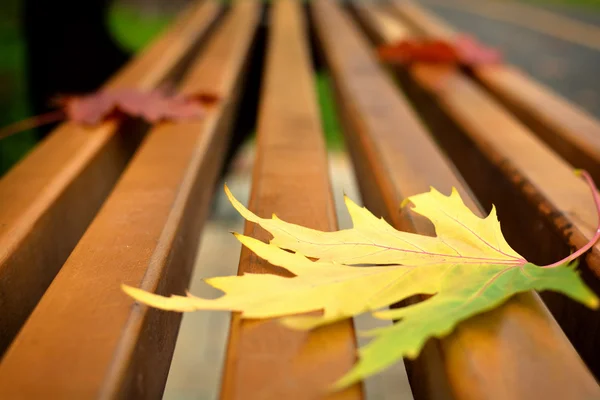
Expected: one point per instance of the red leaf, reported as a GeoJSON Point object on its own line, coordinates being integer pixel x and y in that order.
{"type": "Point", "coordinates": [153, 106]}
{"type": "Point", "coordinates": [94, 108]}
{"type": "Point", "coordinates": [474, 53]}
{"type": "Point", "coordinates": [464, 50]}
{"type": "Point", "coordinates": [417, 50]}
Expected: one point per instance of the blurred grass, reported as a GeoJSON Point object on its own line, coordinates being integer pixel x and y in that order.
{"type": "Point", "coordinates": [133, 30]}
{"type": "Point", "coordinates": [329, 118]}
{"type": "Point", "coordinates": [13, 98]}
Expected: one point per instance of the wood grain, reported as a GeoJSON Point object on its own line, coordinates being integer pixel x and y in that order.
{"type": "Point", "coordinates": [290, 178]}
{"type": "Point", "coordinates": [86, 338]}
{"type": "Point", "coordinates": [514, 352]}
{"type": "Point", "coordinates": [50, 197]}
{"type": "Point", "coordinates": [570, 131]}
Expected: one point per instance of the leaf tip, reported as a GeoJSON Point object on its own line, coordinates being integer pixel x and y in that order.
{"type": "Point", "coordinates": [227, 191]}
{"type": "Point", "coordinates": [243, 239]}
{"type": "Point", "coordinates": [411, 354]}
{"type": "Point", "coordinates": [347, 200]}
{"type": "Point", "coordinates": [343, 383]}
{"type": "Point", "coordinates": [593, 303]}
{"type": "Point", "coordinates": [129, 290]}
{"type": "Point", "coordinates": [137, 294]}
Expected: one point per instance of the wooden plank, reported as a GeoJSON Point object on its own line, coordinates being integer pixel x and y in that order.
{"type": "Point", "coordinates": [541, 203]}
{"type": "Point", "coordinates": [266, 360]}
{"type": "Point", "coordinates": [50, 197]}
{"type": "Point", "coordinates": [86, 338]}
{"type": "Point", "coordinates": [514, 352]}
{"type": "Point", "coordinates": [570, 131]}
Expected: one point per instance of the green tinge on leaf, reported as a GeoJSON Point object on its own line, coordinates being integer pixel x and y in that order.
{"type": "Point", "coordinates": [465, 292]}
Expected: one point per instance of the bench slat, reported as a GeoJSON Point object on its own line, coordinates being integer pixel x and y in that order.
{"type": "Point", "coordinates": [86, 338]}
{"type": "Point", "coordinates": [541, 202]}
{"type": "Point", "coordinates": [49, 198]}
{"type": "Point", "coordinates": [570, 131]}
{"type": "Point", "coordinates": [290, 178]}
{"type": "Point", "coordinates": [516, 351]}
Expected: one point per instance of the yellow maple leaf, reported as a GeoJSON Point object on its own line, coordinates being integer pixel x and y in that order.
{"type": "Point", "coordinates": [468, 267]}
{"type": "Point", "coordinates": [461, 236]}
{"type": "Point", "coordinates": [317, 285]}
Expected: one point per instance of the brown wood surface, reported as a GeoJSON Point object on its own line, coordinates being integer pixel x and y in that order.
{"type": "Point", "coordinates": [86, 338]}
{"type": "Point", "coordinates": [543, 206]}
{"type": "Point", "coordinates": [570, 131]}
{"type": "Point", "coordinates": [514, 352]}
{"type": "Point", "coordinates": [50, 197]}
{"type": "Point", "coordinates": [290, 178]}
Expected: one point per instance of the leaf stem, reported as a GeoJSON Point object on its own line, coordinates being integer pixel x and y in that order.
{"type": "Point", "coordinates": [32, 122]}
{"type": "Point", "coordinates": [586, 176]}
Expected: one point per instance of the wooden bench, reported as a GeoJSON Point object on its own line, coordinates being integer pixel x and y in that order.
{"type": "Point", "coordinates": [90, 209]}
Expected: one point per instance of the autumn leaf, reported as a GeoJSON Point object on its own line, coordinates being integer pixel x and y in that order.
{"type": "Point", "coordinates": [463, 50]}
{"type": "Point", "coordinates": [472, 52]}
{"type": "Point", "coordinates": [467, 268]}
{"type": "Point", "coordinates": [464, 291]}
{"type": "Point", "coordinates": [152, 106]}
{"type": "Point", "coordinates": [91, 109]}
{"type": "Point", "coordinates": [418, 50]}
